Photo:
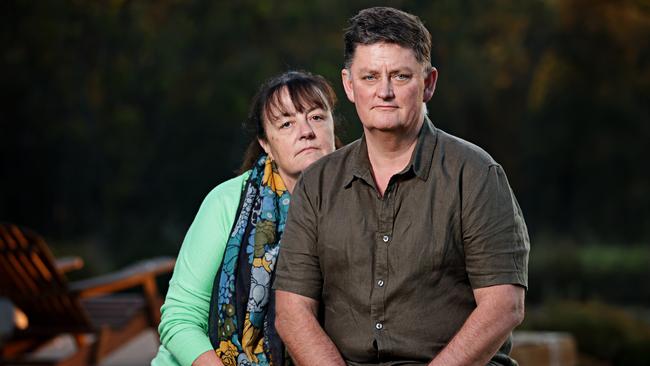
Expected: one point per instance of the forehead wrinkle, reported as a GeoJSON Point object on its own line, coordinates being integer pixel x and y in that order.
{"type": "Point", "coordinates": [389, 70]}
{"type": "Point", "coordinates": [393, 62]}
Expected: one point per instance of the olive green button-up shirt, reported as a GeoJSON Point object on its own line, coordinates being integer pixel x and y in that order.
{"type": "Point", "coordinates": [394, 275]}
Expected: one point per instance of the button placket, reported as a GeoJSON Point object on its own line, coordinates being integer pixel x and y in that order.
{"type": "Point", "coordinates": [384, 239]}
{"type": "Point", "coordinates": [383, 236]}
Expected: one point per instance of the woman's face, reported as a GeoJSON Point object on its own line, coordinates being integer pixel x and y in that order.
{"type": "Point", "coordinates": [295, 139]}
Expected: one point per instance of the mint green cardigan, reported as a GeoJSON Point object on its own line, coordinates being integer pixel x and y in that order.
{"type": "Point", "coordinates": [184, 325]}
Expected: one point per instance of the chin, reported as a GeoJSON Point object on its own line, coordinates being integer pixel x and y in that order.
{"type": "Point", "coordinates": [383, 123]}
{"type": "Point", "coordinates": [385, 126]}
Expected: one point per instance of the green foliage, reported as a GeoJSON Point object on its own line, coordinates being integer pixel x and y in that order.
{"type": "Point", "coordinates": [602, 331]}
{"type": "Point", "coordinates": [562, 269]}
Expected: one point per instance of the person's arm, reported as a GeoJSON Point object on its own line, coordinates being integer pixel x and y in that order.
{"type": "Point", "coordinates": [496, 247]}
{"type": "Point", "coordinates": [184, 323]}
{"type": "Point", "coordinates": [297, 324]}
{"type": "Point", "coordinates": [298, 285]}
{"type": "Point", "coordinates": [499, 309]}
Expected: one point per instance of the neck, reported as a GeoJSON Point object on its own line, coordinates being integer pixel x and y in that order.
{"type": "Point", "coordinates": [389, 152]}
{"type": "Point", "coordinates": [289, 181]}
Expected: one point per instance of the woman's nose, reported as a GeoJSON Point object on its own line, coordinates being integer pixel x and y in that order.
{"type": "Point", "coordinates": [306, 129]}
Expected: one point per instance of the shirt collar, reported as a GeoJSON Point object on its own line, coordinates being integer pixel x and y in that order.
{"type": "Point", "coordinates": [360, 168]}
{"type": "Point", "coordinates": [424, 150]}
{"type": "Point", "coordinates": [420, 162]}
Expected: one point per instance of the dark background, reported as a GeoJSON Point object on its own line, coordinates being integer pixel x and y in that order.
{"type": "Point", "coordinates": [117, 118]}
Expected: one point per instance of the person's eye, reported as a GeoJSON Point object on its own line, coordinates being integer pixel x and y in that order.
{"type": "Point", "coordinates": [402, 77]}
{"type": "Point", "coordinates": [285, 124]}
{"type": "Point", "coordinates": [317, 117]}
{"type": "Point", "coordinates": [369, 77]}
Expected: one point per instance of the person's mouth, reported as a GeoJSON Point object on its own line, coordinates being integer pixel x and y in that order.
{"type": "Point", "coordinates": [307, 149]}
{"type": "Point", "coordinates": [385, 107]}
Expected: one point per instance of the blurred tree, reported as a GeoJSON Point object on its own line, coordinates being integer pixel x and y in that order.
{"type": "Point", "coordinates": [119, 116]}
{"type": "Point", "coordinates": [588, 123]}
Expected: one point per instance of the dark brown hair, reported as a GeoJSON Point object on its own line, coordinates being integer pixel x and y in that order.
{"type": "Point", "coordinates": [389, 25]}
{"type": "Point", "coordinates": [305, 89]}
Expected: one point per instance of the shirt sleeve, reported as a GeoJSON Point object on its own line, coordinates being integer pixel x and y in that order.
{"type": "Point", "coordinates": [183, 327]}
{"type": "Point", "coordinates": [495, 237]}
{"type": "Point", "coordinates": [298, 268]}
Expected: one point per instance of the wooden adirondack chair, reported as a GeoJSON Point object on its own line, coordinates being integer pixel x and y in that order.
{"type": "Point", "coordinates": [99, 319]}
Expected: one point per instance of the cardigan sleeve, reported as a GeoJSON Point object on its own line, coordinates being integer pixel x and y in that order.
{"type": "Point", "coordinates": [183, 327]}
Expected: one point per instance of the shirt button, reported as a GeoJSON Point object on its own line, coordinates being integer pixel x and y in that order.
{"type": "Point", "coordinates": [386, 238]}
{"type": "Point", "coordinates": [379, 326]}
{"type": "Point", "coordinates": [380, 283]}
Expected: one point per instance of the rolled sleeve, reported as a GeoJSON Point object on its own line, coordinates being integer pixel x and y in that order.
{"type": "Point", "coordinates": [298, 268]}
{"type": "Point", "coordinates": [495, 237]}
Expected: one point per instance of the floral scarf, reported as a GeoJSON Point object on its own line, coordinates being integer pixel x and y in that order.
{"type": "Point", "coordinates": [242, 308]}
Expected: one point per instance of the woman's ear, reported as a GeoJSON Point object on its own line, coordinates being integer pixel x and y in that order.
{"type": "Point", "coordinates": [265, 145]}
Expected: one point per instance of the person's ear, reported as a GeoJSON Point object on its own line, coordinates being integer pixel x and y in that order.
{"type": "Point", "coordinates": [265, 146]}
{"type": "Point", "coordinates": [430, 84]}
{"type": "Point", "coordinates": [346, 78]}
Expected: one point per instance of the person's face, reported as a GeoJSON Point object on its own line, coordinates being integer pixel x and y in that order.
{"type": "Point", "coordinates": [294, 140]}
{"type": "Point", "coordinates": [388, 86]}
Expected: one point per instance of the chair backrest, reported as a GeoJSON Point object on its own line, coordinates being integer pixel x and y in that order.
{"type": "Point", "coordinates": [30, 279]}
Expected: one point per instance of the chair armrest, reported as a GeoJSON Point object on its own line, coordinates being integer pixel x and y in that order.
{"type": "Point", "coordinates": [67, 264]}
{"type": "Point", "coordinates": [131, 276]}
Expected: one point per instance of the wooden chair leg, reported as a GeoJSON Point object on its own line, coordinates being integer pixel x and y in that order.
{"type": "Point", "coordinates": [97, 349]}
{"type": "Point", "coordinates": [154, 302]}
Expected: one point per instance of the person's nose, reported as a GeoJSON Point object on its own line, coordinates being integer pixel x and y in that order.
{"type": "Point", "coordinates": [306, 130]}
{"type": "Point", "coordinates": [385, 89]}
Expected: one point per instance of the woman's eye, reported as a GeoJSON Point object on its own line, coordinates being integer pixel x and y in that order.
{"type": "Point", "coordinates": [317, 117]}
{"type": "Point", "coordinates": [286, 124]}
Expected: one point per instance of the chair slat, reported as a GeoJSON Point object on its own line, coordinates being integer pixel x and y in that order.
{"type": "Point", "coordinates": [12, 264]}
{"type": "Point", "coordinates": [9, 273]}
{"type": "Point", "coordinates": [42, 269]}
{"type": "Point", "coordinates": [20, 273]}
{"type": "Point", "coordinates": [9, 242]}
{"type": "Point", "coordinates": [30, 278]}
{"type": "Point", "coordinates": [29, 267]}
{"type": "Point", "coordinates": [19, 238]}
{"type": "Point", "coordinates": [34, 283]}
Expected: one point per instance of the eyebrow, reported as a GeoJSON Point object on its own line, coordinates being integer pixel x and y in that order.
{"type": "Point", "coordinates": [287, 114]}
{"type": "Point", "coordinates": [391, 71]}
